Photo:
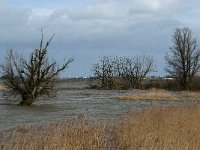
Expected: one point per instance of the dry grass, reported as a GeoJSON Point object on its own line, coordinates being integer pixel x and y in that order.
{"type": "Point", "coordinates": [190, 95]}
{"type": "Point", "coordinates": [71, 135]}
{"type": "Point", "coordinates": [162, 95]}
{"type": "Point", "coordinates": [161, 128]}
{"type": "Point", "coordinates": [174, 127]}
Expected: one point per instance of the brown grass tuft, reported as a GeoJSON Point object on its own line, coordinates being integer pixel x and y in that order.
{"type": "Point", "coordinates": [150, 95]}
{"type": "Point", "coordinates": [190, 95]}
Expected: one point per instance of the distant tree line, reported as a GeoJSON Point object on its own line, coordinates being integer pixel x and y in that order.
{"type": "Point", "coordinates": [122, 72]}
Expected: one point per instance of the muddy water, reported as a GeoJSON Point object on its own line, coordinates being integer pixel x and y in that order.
{"type": "Point", "coordinates": [70, 103]}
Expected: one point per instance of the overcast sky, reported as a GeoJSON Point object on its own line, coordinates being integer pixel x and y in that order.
{"type": "Point", "coordinates": [90, 29]}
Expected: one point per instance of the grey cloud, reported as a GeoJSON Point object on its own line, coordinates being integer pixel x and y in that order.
{"type": "Point", "coordinates": [108, 27]}
{"type": "Point", "coordinates": [118, 9]}
{"type": "Point", "coordinates": [12, 17]}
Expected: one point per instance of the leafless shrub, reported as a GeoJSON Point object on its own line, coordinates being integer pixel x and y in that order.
{"type": "Point", "coordinates": [130, 71]}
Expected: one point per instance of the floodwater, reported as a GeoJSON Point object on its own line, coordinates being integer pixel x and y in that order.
{"type": "Point", "coordinates": [70, 103]}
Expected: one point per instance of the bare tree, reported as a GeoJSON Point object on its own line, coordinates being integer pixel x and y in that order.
{"type": "Point", "coordinates": [130, 71]}
{"type": "Point", "coordinates": [136, 69]}
{"type": "Point", "coordinates": [104, 72]}
{"type": "Point", "coordinates": [34, 77]}
{"type": "Point", "coordinates": [184, 57]}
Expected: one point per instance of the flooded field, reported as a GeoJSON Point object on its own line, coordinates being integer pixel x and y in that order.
{"type": "Point", "coordinates": [100, 104]}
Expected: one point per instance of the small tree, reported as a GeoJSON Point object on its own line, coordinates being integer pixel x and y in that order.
{"type": "Point", "coordinates": [184, 57]}
{"type": "Point", "coordinates": [104, 72]}
{"type": "Point", "coordinates": [34, 77]}
{"type": "Point", "coordinates": [136, 69]}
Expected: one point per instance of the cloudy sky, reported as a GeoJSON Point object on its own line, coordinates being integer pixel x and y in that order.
{"type": "Point", "coordinates": [90, 29]}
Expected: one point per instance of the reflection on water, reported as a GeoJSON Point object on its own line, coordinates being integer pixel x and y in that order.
{"type": "Point", "coordinates": [71, 103]}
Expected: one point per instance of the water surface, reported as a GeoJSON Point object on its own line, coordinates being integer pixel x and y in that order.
{"type": "Point", "coordinates": [71, 103]}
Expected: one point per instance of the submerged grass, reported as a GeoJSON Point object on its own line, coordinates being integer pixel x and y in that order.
{"type": "Point", "coordinates": [172, 127]}
{"type": "Point", "coordinates": [162, 95]}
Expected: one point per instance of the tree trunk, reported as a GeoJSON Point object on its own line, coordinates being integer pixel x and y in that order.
{"type": "Point", "coordinates": [27, 100]}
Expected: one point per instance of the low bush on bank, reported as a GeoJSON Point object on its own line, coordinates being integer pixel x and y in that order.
{"type": "Point", "coordinates": [173, 127]}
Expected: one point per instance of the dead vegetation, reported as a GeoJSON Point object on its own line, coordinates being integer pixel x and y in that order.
{"type": "Point", "coordinates": [162, 95]}
{"type": "Point", "coordinates": [161, 128]}
{"type": "Point", "coordinates": [173, 127]}
{"type": "Point", "coordinates": [73, 134]}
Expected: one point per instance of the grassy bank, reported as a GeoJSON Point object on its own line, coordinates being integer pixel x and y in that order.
{"type": "Point", "coordinates": [174, 127]}
{"type": "Point", "coordinates": [161, 95]}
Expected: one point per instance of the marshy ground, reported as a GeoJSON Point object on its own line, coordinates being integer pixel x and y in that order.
{"type": "Point", "coordinates": [104, 119]}
{"type": "Point", "coordinates": [172, 127]}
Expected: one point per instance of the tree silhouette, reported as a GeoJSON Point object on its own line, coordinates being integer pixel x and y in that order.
{"type": "Point", "coordinates": [184, 57]}
{"type": "Point", "coordinates": [34, 77]}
